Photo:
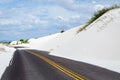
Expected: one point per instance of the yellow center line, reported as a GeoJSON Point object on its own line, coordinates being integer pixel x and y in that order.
{"type": "Point", "coordinates": [63, 69]}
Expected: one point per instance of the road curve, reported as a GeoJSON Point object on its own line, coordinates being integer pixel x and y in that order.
{"type": "Point", "coordinates": [63, 69]}
{"type": "Point", "coordinates": [39, 65]}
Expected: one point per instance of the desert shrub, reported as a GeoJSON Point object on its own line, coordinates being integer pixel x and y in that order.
{"type": "Point", "coordinates": [24, 40]}
{"type": "Point", "coordinates": [62, 31]}
{"type": "Point", "coordinates": [2, 42]}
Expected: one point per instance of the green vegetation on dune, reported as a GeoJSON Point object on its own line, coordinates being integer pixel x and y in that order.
{"type": "Point", "coordinates": [24, 40]}
{"type": "Point", "coordinates": [4, 42]}
{"type": "Point", "coordinates": [97, 15]}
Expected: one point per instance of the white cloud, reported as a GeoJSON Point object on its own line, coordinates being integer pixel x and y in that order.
{"type": "Point", "coordinates": [75, 16]}
{"type": "Point", "coordinates": [9, 22]}
{"type": "Point", "coordinates": [32, 19]}
{"type": "Point", "coordinates": [98, 7]}
{"type": "Point", "coordinates": [69, 4]}
{"type": "Point", "coordinates": [5, 1]}
{"type": "Point", "coordinates": [68, 19]}
{"type": "Point", "coordinates": [94, 2]}
{"type": "Point", "coordinates": [62, 18]}
{"type": "Point", "coordinates": [18, 19]}
{"type": "Point", "coordinates": [0, 12]}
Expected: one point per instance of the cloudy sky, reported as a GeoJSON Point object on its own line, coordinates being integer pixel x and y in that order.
{"type": "Point", "coordinates": [21, 19]}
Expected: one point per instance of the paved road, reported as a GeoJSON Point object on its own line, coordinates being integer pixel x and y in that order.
{"type": "Point", "coordinates": [39, 65]}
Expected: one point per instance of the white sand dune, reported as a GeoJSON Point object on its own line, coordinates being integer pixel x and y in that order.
{"type": "Point", "coordinates": [99, 44]}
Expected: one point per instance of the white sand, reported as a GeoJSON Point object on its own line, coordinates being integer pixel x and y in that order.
{"type": "Point", "coordinates": [6, 54]}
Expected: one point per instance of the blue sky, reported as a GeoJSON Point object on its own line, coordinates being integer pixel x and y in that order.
{"type": "Point", "coordinates": [22, 19]}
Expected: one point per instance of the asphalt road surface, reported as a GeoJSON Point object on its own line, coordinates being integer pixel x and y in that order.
{"type": "Point", "coordinates": [39, 65]}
